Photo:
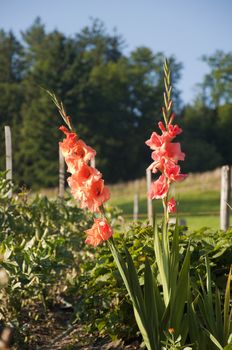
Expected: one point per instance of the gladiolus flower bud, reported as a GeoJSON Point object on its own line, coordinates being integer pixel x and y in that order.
{"type": "Point", "coordinates": [172, 206]}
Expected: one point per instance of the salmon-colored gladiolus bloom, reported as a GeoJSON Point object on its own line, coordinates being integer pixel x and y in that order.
{"type": "Point", "coordinates": [159, 188]}
{"type": "Point", "coordinates": [76, 190]}
{"type": "Point", "coordinates": [96, 193]}
{"type": "Point", "coordinates": [159, 160]}
{"type": "Point", "coordinates": [170, 151]}
{"type": "Point", "coordinates": [171, 132]}
{"type": "Point", "coordinates": [172, 206]}
{"type": "Point", "coordinates": [69, 143]}
{"type": "Point", "coordinates": [174, 130]}
{"type": "Point", "coordinates": [73, 163]}
{"type": "Point", "coordinates": [81, 150]}
{"type": "Point", "coordinates": [99, 232]}
{"type": "Point", "coordinates": [155, 142]}
{"type": "Point", "coordinates": [71, 146]}
{"type": "Point", "coordinates": [83, 175]}
{"type": "Point", "coordinates": [173, 152]}
{"type": "Point", "coordinates": [172, 172]}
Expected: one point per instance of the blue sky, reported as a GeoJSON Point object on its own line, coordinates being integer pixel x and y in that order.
{"type": "Point", "coordinates": [186, 28]}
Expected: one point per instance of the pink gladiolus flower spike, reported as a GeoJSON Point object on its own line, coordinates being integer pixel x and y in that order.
{"type": "Point", "coordinates": [85, 182]}
{"type": "Point", "coordinates": [166, 155]}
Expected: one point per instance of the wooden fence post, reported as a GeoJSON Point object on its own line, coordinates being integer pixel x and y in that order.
{"type": "Point", "coordinates": [61, 175]}
{"type": "Point", "coordinates": [8, 157]}
{"type": "Point", "coordinates": [149, 201]}
{"type": "Point", "coordinates": [136, 202]}
{"type": "Point", "coordinates": [225, 197]}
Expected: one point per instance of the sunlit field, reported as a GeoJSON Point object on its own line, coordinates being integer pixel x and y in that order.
{"type": "Point", "coordinates": [198, 199]}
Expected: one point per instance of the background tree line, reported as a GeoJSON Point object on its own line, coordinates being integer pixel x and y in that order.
{"type": "Point", "coordinates": [114, 99]}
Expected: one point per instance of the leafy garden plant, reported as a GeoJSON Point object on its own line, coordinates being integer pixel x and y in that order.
{"type": "Point", "coordinates": [38, 243]}
{"type": "Point", "coordinates": [163, 303]}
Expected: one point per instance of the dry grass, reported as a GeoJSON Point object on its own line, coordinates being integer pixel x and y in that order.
{"type": "Point", "coordinates": [198, 198]}
{"type": "Point", "coordinates": [198, 182]}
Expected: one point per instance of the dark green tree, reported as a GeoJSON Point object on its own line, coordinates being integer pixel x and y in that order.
{"type": "Point", "coordinates": [217, 84]}
{"type": "Point", "coordinates": [47, 58]}
{"type": "Point", "coordinates": [208, 122]}
{"type": "Point", "coordinates": [200, 139]}
{"type": "Point", "coordinates": [224, 132]}
{"type": "Point", "coordinates": [11, 95]}
{"type": "Point", "coordinates": [114, 100]}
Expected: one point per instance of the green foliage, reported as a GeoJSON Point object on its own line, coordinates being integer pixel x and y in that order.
{"type": "Point", "coordinates": [211, 326]}
{"type": "Point", "coordinates": [38, 243]}
{"type": "Point", "coordinates": [42, 247]}
{"type": "Point", "coordinates": [207, 123]}
{"type": "Point", "coordinates": [224, 125]}
{"type": "Point", "coordinates": [11, 97]}
{"type": "Point", "coordinates": [217, 86]}
{"type": "Point", "coordinates": [103, 303]}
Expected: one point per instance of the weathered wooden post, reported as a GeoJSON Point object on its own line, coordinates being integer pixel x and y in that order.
{"type": "Point", "coordinates": [149, 201]}
{"type": "Point", "coordinates": [225, 197]}
{"type": "Point", "coordinates": [61, 175]}
{"type": "Point", "coordinates": [136, 202]}
{"type": "Point", "coordinates": [8, 157]}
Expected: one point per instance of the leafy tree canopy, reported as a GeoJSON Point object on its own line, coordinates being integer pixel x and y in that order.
{"type": "Point", "coordinates": [114, 99]}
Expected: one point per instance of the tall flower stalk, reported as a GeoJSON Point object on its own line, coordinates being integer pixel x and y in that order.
{"type": "Point", "coordinates": [86, 182]}
{"type": "Point", "coordinates": [160, 304]}
{"type": "Point", "coordinates": [166, 154]}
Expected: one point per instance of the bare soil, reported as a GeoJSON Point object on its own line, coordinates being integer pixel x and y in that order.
{"type": "Point", "coordinates": [56, 332]}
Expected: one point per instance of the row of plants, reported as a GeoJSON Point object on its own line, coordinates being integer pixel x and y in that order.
{"type": "Point", "coordinates": [103, 304]}
{"type": "Point", "coordinates": [42, 251]}
{"type": "Point", "coordinates": [39, 240]}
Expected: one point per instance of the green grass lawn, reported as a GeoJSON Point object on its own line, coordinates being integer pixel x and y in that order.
{"type": "Point", "coordinates": [198, 200]}
{"type": "Point", "coordinates": [190, 203]}
{"type": "Point", "coordinates": [197, 211]}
